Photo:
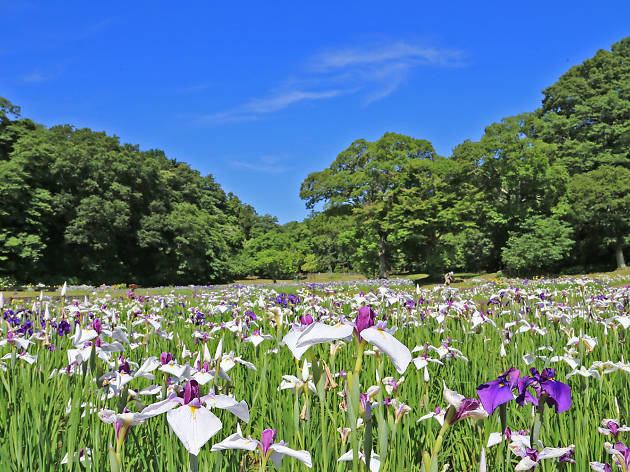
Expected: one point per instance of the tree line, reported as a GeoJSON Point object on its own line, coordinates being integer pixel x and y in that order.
{"type": "Point", "coordinates": [79, 205]}
{"type": "Point", "coordinates": [541, 192]}
{"type": "Point", "coordinates": [544, 191]}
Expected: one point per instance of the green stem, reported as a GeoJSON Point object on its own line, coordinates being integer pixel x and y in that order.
{"type": "Point", "coordinates": [438, 441]}
{"type": "Point", "coordinates": [121, 438]}
{"type": "Point", "coordinates": [193, 463]}
{"type": "Point", "coordinates": [359, 361]}
{"type": "Point", "coordinates": [263, 464]}
{"type": "Point", "coordinates": [352, 402]}
{"type": "Point", "coordinates": [322, 419]}
{"type": "Point", "coordinates": [503, 417]}
{"type": "Point", "coordinates": [540, 411]}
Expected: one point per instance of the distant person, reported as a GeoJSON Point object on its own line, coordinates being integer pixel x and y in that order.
{"type": "Point", "coordinates": [448, 278]}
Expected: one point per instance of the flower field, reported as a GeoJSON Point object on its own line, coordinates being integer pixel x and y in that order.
{"type": "Point", "coordinates": [380, 375]}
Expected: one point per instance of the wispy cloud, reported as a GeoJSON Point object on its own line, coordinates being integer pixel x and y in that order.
{"type": "Point", "coordinates": [399, 52]}
{"type": "Point", "coordinates": [261, 106]}
{"type": "Point", "coordinates": [263, 164]}
{"type": "Point", "coordinates": [37, 76]}
{"type": "Point", "coordinates": [380, 69]}
{"type": "Point", "coordinates": [374, 71]}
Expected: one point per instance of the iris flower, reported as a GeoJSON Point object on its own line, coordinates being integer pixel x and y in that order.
{"type": "Point", "coordinates": [530, 458]}
{"type": "Point", "coordinates": [122, 421]}
{"type": "Point", "coordinates": [498, 392]}
{"type": "Point", "coordinates": [462, 407]}
{"type": "Point", "coordinates": [267, 448]}
{"type": "Point", "coordinates": [621, 457]}
{"type": "Point", "coordinates": [375, 459]}
{"type": "Point", "coordinates": [459, 408]}
{"type": "Point", "coordinates": [364, 328]}
{"type": "Point", "coordinates": [547, 389]}
{"type": "Point", "coordinates": [612, 427]}
{"type": "Point", "coordinates": [192, 423]}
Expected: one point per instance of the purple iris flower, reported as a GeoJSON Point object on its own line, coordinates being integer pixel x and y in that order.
{"type": "Point", "coordinates": [547, 388]}
{"type": "Point", "coordinates": [268, 437]}
{"type": "Point", "coordinates": [365, 319]}
{"type": "Point", "coordinates": [63, 328]}
{"type": "Point", "coordinates": [190, 394]}
{"type": "Point", "coordinates": [306, 320]}
{"type": "Point", "coordinates": [613, 427]}
{"type": "Point", "coordinates": [567, 457]}
{"type": "Point", "coordinates": [469, 407]}
{"type": "Point", "coordinates": [498, 392]}
{"type": "Point", "coordinates": [532, 453]}
{"type": "Point", "coordinates": [97, 325]}
{"type": "Point", "coordinates": [622, 459]}
{"type": "Point", "coordinates": [166, 357]}
{"type": "Point", "coordinates": [124, 366]}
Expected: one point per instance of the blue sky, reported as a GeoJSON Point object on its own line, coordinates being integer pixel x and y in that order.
{"type": "Point", "coordinates": [260, 94]}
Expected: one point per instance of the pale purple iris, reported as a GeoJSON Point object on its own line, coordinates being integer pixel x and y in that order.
{"type": "Point", "coordinates": [498, 392]}
{"type": "Point", "coordinates": [547, 388]}
{"type": "Point", "coordinates": [468, 405]}
{"type": "Point", "coordinates": [532, 453]}
{"type": "Point", "coordinates": [624, 454]}
{"type": "Point", "coordinates": [365, 319]}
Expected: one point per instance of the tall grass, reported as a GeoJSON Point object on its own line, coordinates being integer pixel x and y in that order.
{"type": "Point", "coordinates": [44, 417]}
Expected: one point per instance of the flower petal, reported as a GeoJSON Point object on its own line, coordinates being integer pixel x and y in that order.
{"type": "Point", "coordinates": [318, 333]}
{"type": "Point", "coordinates": [525, 464]}
{"type": "Point", "coordinates": [392, 347]}
{"type": "Point", "coordinates": [235, 441]}
{"type": "Point", "coordinates": [290, 340]}
{"type": "Point", "coordinates": [193, 426]}
{"type": "Point", "coordinates": [280, 451]}
{"type": "Point", "coordinates": [224, 402]}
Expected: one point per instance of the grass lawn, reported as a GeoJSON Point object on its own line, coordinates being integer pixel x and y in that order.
{"type": "Point", "coordinates": [619, 277]}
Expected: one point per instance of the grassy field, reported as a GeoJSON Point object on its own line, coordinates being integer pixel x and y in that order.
{"type": "Point", "coordinates": [465, 335]}
{"type": "Point", "coordinates": [462, 280]}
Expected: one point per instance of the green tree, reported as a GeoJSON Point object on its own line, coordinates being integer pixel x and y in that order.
{"type": "Point", "coordinates": [587, 111]}
{"type": "Point", "coordinates": [540, 246]}
{"type": "Point", "coordinates": [365, 177]}
{"type": "Point", "coordinates": [599, 205]}
{"type": "Point", "coordinates": [322, 233]}
{"type": "Point", "coordinates": [79, 204]}
{"type": "Point", "coordinates": [514, 173]}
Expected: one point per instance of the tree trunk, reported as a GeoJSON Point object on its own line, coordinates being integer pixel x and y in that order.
{"type": "Point", "coordinates": [621, 262]}
{"type": "Point", "coordinates": [382, 261]}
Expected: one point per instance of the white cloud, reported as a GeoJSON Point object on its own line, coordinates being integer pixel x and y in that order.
{"type": "Point", "coordinates": [398, 52]}
{"type": "Point", "coordinates": [264, 164]}
{"type": "Point", "coordinates": [375, 71]}
{"type": "Point", "coordinates": [261, 106]}
{"type": "Point", "coordinates": [38, 76]}
{"type": "Point", "coordinates": [278, 102]}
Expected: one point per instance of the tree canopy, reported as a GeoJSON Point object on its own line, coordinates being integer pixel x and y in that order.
{"type": "Point", "coordinates": [543, 191]}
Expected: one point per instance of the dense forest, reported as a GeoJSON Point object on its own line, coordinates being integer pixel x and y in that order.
{"type": "Point", "coordinates": [545, 191]}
